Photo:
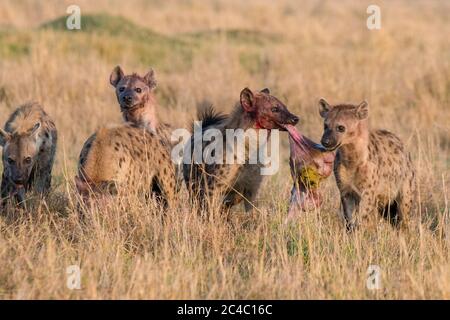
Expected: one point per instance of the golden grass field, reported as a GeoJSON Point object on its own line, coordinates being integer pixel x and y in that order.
{"type": "Point", "coordinates": [211, 50]}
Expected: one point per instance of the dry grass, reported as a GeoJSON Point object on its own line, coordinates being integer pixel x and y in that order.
{"type": "Point", "coordinates": [212, 50]}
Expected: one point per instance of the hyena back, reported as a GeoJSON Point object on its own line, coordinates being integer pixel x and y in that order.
{"type": "Point", "coordinates": [29, 146]}
{"type": "Point", "coordinates": [125, 158]}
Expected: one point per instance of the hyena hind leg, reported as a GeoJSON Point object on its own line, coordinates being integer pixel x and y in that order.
{"type": "Point", "coordinates": [167, 184]}
{"type": "Point", "coordinates": [405, 204]}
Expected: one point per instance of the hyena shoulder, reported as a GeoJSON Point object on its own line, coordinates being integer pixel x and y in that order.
{"type": "Point", "coordinates": [387, 147]}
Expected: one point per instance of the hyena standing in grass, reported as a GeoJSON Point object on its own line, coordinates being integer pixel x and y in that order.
{"type": "Point", "coordinates": [29, 146]}
{"type": "Point", "coordinates": [235, 182]}
{"type": "Point", "coordinates": [124, 159]}
{"type": "Point", "coordinates": [138, 106]}
{"type": "Point", "coordinates": [373, 171]}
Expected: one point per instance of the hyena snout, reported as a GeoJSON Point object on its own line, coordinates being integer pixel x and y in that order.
{"type": "Point", "coordinates": [288, 119]}
{"type": "Point", "coordinates": [328, 141]}
{"type": "Point", "coordinates": [19, 177]}
{"type": "Point", "coordinates": [292, 119]}
{"type": "Point", "coordinates": [126, 100]}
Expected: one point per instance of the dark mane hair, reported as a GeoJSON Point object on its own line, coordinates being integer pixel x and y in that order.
{"type": "Point", "coordinates": [208, 115]}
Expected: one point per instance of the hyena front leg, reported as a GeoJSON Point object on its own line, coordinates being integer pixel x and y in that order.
{"type": "Point", "coordinates": [251, 191]}
{"type": "Point", "coordinates": [366, 209]}
{"type": "Point", "coordinates": [349, 203]}
{"type": "Point", "coordinates": [249, 197]}
{"type": "Point", "coordinates": [220, 185]}
{"type": "Point", "coordinates": [43, 179]}
{"type": "Point", "coordinates": [5, 191]}
{"type": "Point", "coordinates": [230, 199]}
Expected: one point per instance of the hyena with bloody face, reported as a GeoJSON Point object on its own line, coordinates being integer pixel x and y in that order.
{"type": "Point", "coordinates": [29, 145]}
{"type": "Point", "coordinates": [374, 172]}
{"type": "Point", "coordinates": [124, 159]}
{"type": "Point", "coordinates": [235, 182]}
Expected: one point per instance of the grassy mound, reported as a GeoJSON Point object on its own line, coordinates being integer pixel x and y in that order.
{"type": "Point", "coordinates": [113, 38]}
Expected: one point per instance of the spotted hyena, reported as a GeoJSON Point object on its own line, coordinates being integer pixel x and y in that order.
{"type": "Point", "coordinates": [29, 145]}
{"type": "Point", "coordinates": [233, 183]}
{"type": "Point", "coordinates": [139, 106]}
{"type": "Point", "coordinates": [373, 171]}
{"type": "Point", "coordinates": [125, 158]}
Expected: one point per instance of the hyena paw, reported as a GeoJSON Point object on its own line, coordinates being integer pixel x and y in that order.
{"type": "Point", "coordinates": [350, 227]}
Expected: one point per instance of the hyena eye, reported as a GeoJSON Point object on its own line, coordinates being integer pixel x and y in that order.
{"type": "Point", "coordinates": [138, 90]}
{"type": "Point", "coordinates": [11, 161]}
{"type": "Point", "coordinates": [121, 89]}
{"type": "Point", "coordinates": [340, 128]}
{"type": "Point", "coordinates": [27, 160]}
{"type": "Point", "coordinates": [275, 109]}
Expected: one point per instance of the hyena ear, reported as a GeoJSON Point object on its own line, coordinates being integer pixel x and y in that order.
{"type": "Point", "coordinates": [4, 137]}
{"type": "Point", "coordinates": [362, 111]}
{"type": "Point", "coordinates": [265, 90]}
{"type": "Point", "coordinates": [35, 129]}
{"type": "Point", "coordinates": [247, 100]}
{"type": "Point", "coordinates": [324, 107]}
{"type": "Point", "coordinates": [116, 75]}
{"type": "Point", "coordinates": [150, 79]}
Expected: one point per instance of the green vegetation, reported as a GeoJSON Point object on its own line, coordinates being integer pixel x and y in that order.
{"type": "Point", "coordinates": [113, 37]}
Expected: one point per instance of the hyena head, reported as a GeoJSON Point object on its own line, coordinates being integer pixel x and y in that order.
{"type": "Point", "coordinates": [267, 111]}
{"type": "Point", "coordinates": [20, 152]}
{"type": "Point", "coordinates": [342, 123]}
{"type": "Point", "coordinates": [132, 91]}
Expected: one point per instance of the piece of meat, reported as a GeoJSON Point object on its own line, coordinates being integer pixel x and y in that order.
{"type": "Point", "coordinates": [310, 164]}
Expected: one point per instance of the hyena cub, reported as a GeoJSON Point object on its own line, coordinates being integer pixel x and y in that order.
{"type": "Point", "coordinates": [235, 182]}
{"type": "Point", "coordinates": [373, 171]}
{"type": "Point", "coordinates": [29, 146]}
{"type": "Point", "coordinates": [124, 159]}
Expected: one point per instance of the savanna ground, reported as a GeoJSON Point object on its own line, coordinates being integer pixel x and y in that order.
{"type": "Point", "coordinates": [199, 49]}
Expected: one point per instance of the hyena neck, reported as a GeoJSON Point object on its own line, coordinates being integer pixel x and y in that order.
{"type": "Point", "coordinates": [239, 119]}
{"type": "Point", "coordinates": [144, 116]}
{"type": "Point", "coordinates": [357, 152]}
